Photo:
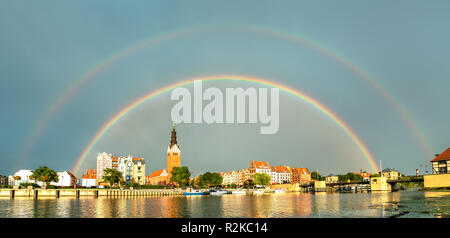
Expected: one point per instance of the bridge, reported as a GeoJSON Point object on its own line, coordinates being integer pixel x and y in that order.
{"type": "Point", "coordinates": [392, 182]}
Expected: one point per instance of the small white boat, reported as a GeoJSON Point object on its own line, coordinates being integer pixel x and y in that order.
{"type": "Point", "coordinates": [258, 192]}
{"type": "Point", "coordinates": [279, 191]}
{"type": "Point", "coordinates": [238, 192]}
{"type": "Point", "coordinates": [217, 192]}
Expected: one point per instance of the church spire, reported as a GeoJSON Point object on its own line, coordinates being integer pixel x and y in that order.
{"type": "Point", "coordinates": [173, 139]}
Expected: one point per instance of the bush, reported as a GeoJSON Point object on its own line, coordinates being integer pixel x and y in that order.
{"type": "Point", "coordinates": [148, 186]}
{"type": "Point", "coordinates": [25, 185]}
{"type": "Point", "coordinates": [6, 186]}
{"type": "Point", "coordinates": [52, 187]}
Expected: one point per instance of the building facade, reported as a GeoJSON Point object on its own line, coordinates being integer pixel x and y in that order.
{"type": "Point", "coordinates": [280, 175]}
{"type": "Point", "coordinates": [132, 169]}
{"type": "Point", "coordinates": [138, 175]}
{"type": "Point", "coordinates": [23, 176]}
{"type": "Point", "coordinates": [65, 179]}
{"type": "Point", "coordinates": [162, 177]}
{"type": "Point", "coordinates": [173, 154]}
{"type": "Point", "coordinates": [366, 176]}
{"type": "Point", "coordinates": [300, 175]}
{"type": "Point", "coordinates": [104, 161]}
{"type": "Point", "coordinates": [89, 179]}
{"type": "Point", "coordinates": [3, 180]}
{"type": "Point", "coordinates": [158, 177]}
{"type": "Point", "coordinates": [441, 163]}
{"type": "Point", "coordinates": [390, 174]}
{"type": "Point", "coordinates": [331, 179]}
{"type": "Point", "coordinates": [262, 167]}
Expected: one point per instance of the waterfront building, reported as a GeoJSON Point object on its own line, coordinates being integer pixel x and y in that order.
{"type": "Point", "coordinates": [89, 179]}
{"type": "Point", "coordinates": [11, 180]}
{"type": "Point", "coordinates": [390, 174]}
{"type": "Point", "coordinates": [366, 175]}
{"type": "Point", "coordinates": [114, 162]}
{"type": "Point", "coordinates": [3, 180]}
{"type": "Point", "coordinates": [237, 177]}
{"type": "Point", "coordinates": [245, 175]}
{"type": "Point", "coordinates": [104, 161]}
{"type": "Point", "coordinates": [138, 175]}
{"type": "Point", "coordinates": [300, 175]}
{"type": "Point", "coordinates": [132, 169]}
{"type": "Point", "coordinates": [173, 160]}
{"type": "Point", "coordinates": [23, 176]}
{"type": "Point", "coordinates": [440, 177]}
{"type": "Point", "coordinates": [158, 177]}
{"type": "Point", "coordinates": [280, 175]}
{"type": "Point", "coordinates": [65, 179]}
{"type": "Point", "coordinates": [173, 153]}
{"type": "Point", "coordinates": [379, 184]}
{"type": "Point", "coordinates": [331, 178]}
{"type": "Point", "coordinates": [125, 166]}
{"type": "Point", "coordinates": [441, 163]}
{"type": "Point", "coordinates": [259, 167]}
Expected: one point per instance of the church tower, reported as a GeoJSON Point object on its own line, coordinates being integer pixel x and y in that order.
{"type": "Point", "coordinates": [173, 153]}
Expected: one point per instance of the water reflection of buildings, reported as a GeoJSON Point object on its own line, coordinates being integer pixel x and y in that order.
{"type": "Point", "coordinates": [381, 201]}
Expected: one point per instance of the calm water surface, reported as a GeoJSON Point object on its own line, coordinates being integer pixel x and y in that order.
{"type": "Point", "coordinates": [395, 204]}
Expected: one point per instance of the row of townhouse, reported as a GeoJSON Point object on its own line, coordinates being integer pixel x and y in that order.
{"type": "Point", "coordinates": [237, 177]}
{"type": "Point", "coordinates": [278, 174]}
{"type": "Point", "coordinates": [132, 169]}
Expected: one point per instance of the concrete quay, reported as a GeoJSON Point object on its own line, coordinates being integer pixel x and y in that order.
{"type": "Point", "coordinates": [76, 193]}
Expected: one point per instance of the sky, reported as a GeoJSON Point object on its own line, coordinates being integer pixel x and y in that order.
{"type": "Point", "coordinates": [48, 46]}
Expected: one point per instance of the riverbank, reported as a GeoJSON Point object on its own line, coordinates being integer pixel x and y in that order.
{"type": "Point", "coordinates": [76, 193]}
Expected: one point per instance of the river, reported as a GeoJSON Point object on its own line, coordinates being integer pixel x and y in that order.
{"type": "Point", "coordinates": [410, 203]}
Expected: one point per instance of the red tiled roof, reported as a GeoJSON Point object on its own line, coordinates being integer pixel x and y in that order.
{"type": "Point", "coordinates": [156, 173]}
{"type": "Point", "coordinates": [261, 164]}
{"type": "Point", "coordinates": [364, 175]}
{"type": "Point", "coordinates": [281, 169]}
{"type": "Point", "coordinates": [443, 156]}
{"type": "Point", "coordinates": [90, 174]}
{"type": "Point", "coordinates": [302, 170]}
{"type": "Point", "coordinates": [137, 158]}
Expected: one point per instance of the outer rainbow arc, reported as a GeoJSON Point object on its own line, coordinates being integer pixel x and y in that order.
{"type": "Point", "coordinates": [89, 75]}
{"type": "Point", "coordinates": [287, 89]}
{"type": "Point", "coordinates": [40, 126]}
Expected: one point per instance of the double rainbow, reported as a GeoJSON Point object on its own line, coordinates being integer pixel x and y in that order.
{"type": "Point", "coordinates": [114, 58]}
{"type": "Point", "coordinates": [122, 113]}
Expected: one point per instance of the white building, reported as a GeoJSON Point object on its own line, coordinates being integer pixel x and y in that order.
{"type": "Point", "coordinates": [281, 175]}
{"type": "Point", "coordinates": [65, 179]}
{"type": "Point", "coordinates": [261, 167]}
{"type": "Point", "coordinates": [23, 176]}
{"type": "Point", "coordinates": [104, 161]}
{"type": "Point", "coordinates": [125, 166]}
{"type": "Point", "coordinates": [89, 178]}
{"type": "Point", "coordinates": [11, 180]}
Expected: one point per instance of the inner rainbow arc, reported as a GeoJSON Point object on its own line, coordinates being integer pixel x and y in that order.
{"type": "Point", "coordinates": [348, 131]}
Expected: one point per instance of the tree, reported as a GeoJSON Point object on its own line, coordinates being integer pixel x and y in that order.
{"type": "Point", "coordinates": [351, 177]}
{"type": "Point", "coordinates": [45, 175]}
{"type": "Point", "coordinates": [316, 176]}
{"type": "Point", "coordinates": [375, 175]}
{"type": "Point", "coordinates": [180, 175]}
{"type": "Point", "coordinates": [249, 183]}
{"type": "Point", "coordinates": [262, 179]}
{"type": "Point", "coordinates": [210, 179]}
{"type": "Point", "coordinates": [112, 176]}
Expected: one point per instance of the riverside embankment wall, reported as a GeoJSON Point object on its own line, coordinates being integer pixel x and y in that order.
{"type": "Point", "coordinates": [56, 193]}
